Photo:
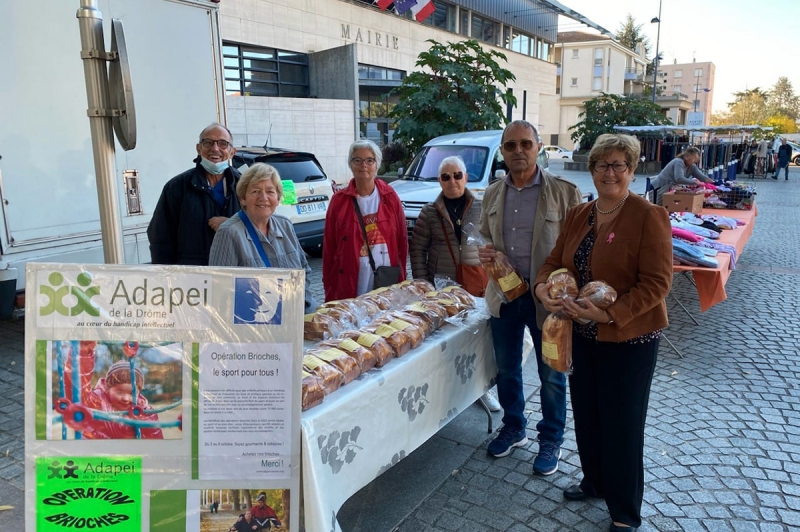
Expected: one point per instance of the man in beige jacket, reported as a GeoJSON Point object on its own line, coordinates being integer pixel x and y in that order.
{"type": "Point", "coordinates": [521, 217]}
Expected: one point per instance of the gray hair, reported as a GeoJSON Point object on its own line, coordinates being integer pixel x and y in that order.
{"type": "Point", "coordinates": [213, 125]}
{"type": "Point", "coordinates": [523, 123]}
{"type": "Point", "coordinates": [256, 174]}
{"type": "Point", "coordinates": [453, 159]}
{"type": "Point", "coordinates": [369, 145]}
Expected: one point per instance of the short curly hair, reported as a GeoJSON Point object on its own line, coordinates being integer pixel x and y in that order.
{"type": "Point", "coordinates": [609, 142]}
{"type": "Point", "coordinates": [256, 174]}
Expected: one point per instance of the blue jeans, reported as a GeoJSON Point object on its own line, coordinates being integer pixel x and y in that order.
{"type": "Point", "coordinates": [507, 334]}
{"type": "Point", "coordinates": [778, 169]}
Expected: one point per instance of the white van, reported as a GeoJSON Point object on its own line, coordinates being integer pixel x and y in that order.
{"type": "Point", "coordinates": [480, 151]}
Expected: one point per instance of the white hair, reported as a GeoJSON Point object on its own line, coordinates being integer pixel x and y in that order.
{"type": "Point", "coordinates": [453, 159]}
{"type": "Point", "coordinates": [366, 144]}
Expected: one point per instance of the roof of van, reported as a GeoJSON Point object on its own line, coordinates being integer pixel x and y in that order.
{"type": "Point", "coordinates": [470, 138]}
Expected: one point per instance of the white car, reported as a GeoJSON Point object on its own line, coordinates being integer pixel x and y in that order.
{"type": "Point", "coordinates": [480, 150]}
{"type": "Point", "coordinates": [557, 152]}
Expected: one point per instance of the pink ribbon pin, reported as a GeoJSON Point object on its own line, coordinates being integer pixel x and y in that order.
{"type": "Point", "coordinates": [610, 238]}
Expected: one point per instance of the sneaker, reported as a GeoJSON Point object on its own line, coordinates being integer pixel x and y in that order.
{"type": "Point", "coordinates": [546, 462]}
{"type": "Point", "coordinates": [492, 403]}
{"type": "Point", "coordinates": [774, 177]}
{"type": "Point", "coordinates": [505, 442]}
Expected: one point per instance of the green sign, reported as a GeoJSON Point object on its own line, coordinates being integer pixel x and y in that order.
{"type": "Point", "coordinates": [87, 492]}
{"type": "Point", "coordinates": [289, 193]}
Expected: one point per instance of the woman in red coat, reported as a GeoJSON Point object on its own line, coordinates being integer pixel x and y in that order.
{"type": "Point", "coordinates": [346, 268]}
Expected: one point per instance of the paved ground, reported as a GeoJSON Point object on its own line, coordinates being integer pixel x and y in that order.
{"type": "Point", "coordinates": [723, 438]}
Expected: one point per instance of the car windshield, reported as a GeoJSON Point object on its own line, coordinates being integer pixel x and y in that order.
{"type": "Point", "coordinates": [425, 166]}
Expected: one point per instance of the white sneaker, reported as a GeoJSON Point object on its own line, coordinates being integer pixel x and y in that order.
{"type": "Point", "coordinates": [490, 398]}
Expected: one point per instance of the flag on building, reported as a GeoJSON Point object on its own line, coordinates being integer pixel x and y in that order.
{"type": "Point", "coordinates": [383, 4]}
{"type": "Point", "coordinates": [423, 10]}
{"type": "Point", "coordinates": [401, 6]}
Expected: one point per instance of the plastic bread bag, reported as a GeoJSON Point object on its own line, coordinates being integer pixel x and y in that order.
{"type": "Point", "coordinates": [399, 341]}
{"type": "Point", "coordinates": [365, 359]}
{"type": "Point", "coordinates": [414, 334]}
{"type": "Point", "coordinates": [459, 293]}
{"type": "Point", "coordinates": [600, 293]}
{"type": "Point", "coordinates": [442, 281]}
{"type": "Point", "coordinates": [510, 281]}
{"type": "Point", "coordinates": [557, 343]}
{"type": "Point", "coordinates": [376, 345]}
{"type": "Point", "coordinates": [562, 284]}
{"type": "Point", "coordinates": [373, 298]}
{"type": "Point", "coordinates": [332, 379]}
{"type": "Point", "coordinates": [312, 392]}
{"type": "Point", "coordinates": [424, 326]}
{"type": "Point", "coordinates": [416, 287]}
{"type": "Point", "coordinates": [451, 305]}
{"type": "Point", "coordinates": [320, 326]}
{"type": "Point", "coordinates": [338, 358]}
{"type": "Point", "coordinates": [345, 318]}
{"type": "Point", "coordinates": [471, 318]}
{"type": "Point", "coordinates": [429, 311]}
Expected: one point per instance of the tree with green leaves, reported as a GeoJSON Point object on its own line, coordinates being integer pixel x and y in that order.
{"type": "Point", "coordinates": [457, 87]}
{"type": "Point", "coordinates": [601, 114]}
{"type": "Point", "coordinates": [781, 99]}
{"type": "Point", "coordinates": [749, 107]}
{"type": "Point", "coordinates": [630, 35]}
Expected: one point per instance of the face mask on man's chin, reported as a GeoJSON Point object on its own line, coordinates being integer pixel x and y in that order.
{"type": "Point", "coordinates": [212, 167]}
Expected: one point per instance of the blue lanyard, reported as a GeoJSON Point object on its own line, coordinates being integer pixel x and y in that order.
{"type": "Point", "coordinates": [254, 235]}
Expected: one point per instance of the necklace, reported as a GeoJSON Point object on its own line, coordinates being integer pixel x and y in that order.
{"type": "Point", "coordinates": [617, 206]}
{"type": "Point", "coordinates": [455, 210]}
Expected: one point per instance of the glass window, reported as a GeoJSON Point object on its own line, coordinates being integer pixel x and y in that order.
{"type": "Point", "coordinates": [597, 84]}
{"type": "Point", "coordinates": [677, 88]}
{"type": "Point", "coordinates": [443, 17]}
{"type": "Point", "coordinates": [678, 74]}
{"type": "Point", "coordinates": [574, 82]}
{"type": "Point", "coordinates": [465, 22]}
{"type": "Point", "coordinates": [256, 71]}
{"type": "Point", "coordinates": [698, 72]}
{"type": "Point", "coordinates": [426, 163]}
{"type": "Point", "coordinates": [373, 72]}
{"type": "Point", "coordinates": [574, 54]}
{"type": "Point", "coordinates": [507, 37]}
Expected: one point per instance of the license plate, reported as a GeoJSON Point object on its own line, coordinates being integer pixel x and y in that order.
{"type": "Point", "coordinates": [410, 223]}
{"type": "Point", "coordinates": [305, 208]}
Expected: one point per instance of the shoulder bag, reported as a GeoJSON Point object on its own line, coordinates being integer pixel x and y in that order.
{"type": "Point", "coordinates": [382, 275]}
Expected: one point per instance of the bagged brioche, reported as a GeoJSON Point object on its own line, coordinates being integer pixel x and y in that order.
{"type": "Point", "coordinates": [433, 314]}
{"type": "Point", "coordinates": [331, 378]}
{"type": "Point", "coordinates": [365, 359]}
{"type": "Point", "coordinates": [339, 359]}
{"type": "Point", "coordinates": [345, 318]}
{"type": "Point", "coordinates": [417, 287]}
{"type": "Point", "coordinates": [461, 294]}
{"type": "Point", "coordinates": [312, 391]}
{"type": "Point", "coordinates": [417, 328]}
{"type": "Point", "coordinates": [500, 270]}
{"type": "Point", "coordinates": [557, 343]}
{"type": "Point", "coordinates": [320, 326]}
{"type": "Point", "coordinates": [563, 284]}
{"type": "Point", "coordinates": [375, 344]}
{"type": "Point", "coordinates": [399, 341]}
{"type": "Point", "coordinates": [600, 293]}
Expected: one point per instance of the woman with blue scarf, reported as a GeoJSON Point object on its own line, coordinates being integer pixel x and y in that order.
{"type": "Point", "coordinates": [256, 237]}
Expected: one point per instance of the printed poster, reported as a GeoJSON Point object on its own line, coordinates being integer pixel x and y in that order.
{"type": "Point", "coordinates": [245, 398]}
{"type": "Point", "coordinates": [91, 492]}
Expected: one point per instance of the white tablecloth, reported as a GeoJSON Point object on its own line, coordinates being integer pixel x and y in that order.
{"type": "Point", "coordinates": [364, 428]}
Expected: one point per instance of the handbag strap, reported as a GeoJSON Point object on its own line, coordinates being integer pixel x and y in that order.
{"type": "Point", "coordinates": [364, 231]}
{"type": "Point", "coordinates": [257, 241]}
{"type": "Point", "coordinates": [447, 239]}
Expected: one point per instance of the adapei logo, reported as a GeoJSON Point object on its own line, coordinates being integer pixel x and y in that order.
{"type": "Point", "coordinates": [56, 291]}
{"type": "Point", "coordinates": [257, 301]}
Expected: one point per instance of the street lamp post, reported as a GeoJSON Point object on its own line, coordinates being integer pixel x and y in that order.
{"type": "Point", "coordinates": [658, 38]}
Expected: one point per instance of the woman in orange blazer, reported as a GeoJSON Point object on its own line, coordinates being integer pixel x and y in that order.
{"type": "Point", "coordinates": [622, 239]}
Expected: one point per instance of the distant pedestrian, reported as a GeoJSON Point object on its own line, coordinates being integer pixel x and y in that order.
{"type": "Point", "coordinates": [784, 156]}
{"type": "Point", "coordinates": [195, 203]}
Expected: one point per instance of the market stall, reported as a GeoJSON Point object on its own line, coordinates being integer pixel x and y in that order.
{"type": "Point", "coordinates": [710, 282]}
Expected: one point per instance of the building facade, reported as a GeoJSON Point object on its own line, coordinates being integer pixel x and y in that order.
{"type": "Point", "coordinates": [314, 75]}
{"type": "Point", "coordinates": [589, 65]}
{"type": "Point", "coordinates": [690, 83]}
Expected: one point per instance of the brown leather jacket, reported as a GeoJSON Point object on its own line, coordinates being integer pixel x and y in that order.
{"type": "Point", "coordinates": [633, 254]}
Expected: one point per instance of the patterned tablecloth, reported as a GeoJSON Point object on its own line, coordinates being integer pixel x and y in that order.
{"type": "Point", "coordinates": [366, 427]}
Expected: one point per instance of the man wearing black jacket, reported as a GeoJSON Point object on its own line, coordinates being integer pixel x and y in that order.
{"type": "Point", "coordinates": [194, 204]}
{"type": "Point", "coordinates": [784, 156]}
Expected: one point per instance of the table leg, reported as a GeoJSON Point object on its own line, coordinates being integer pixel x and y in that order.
{"type": "Point", "coordinates": [481, 401]}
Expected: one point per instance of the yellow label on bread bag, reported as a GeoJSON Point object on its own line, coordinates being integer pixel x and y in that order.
{"type": "Point", "coordinates": [323, 310]}
{"type": "Point", "coordinates": [509, 282]}
{"type": "Point", "coordinates": [399, 324]}
{"type": "Point", "coordinates": [419, 307]}
{"type": "Point", "coordinates": [378, 290]}
{"type": "Point", "coordinates": [306, 374]}
{"type": "Point", "coordinates": [549, 351]}
{"type": "Point", "coordinates": [330, 354]}
{"type": "Point", "coordinates": [312, 362]}
{"type": "Point", "coordinates": [349, 345]}
{"type": "Point", "coordinates": [368, 339]}
{"type": "Point", "coordinates": [385, 330]}
{"type": "Point", "coordinates": [308, 317]}
{"type": "Point", "coordinates": [560, 270]}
